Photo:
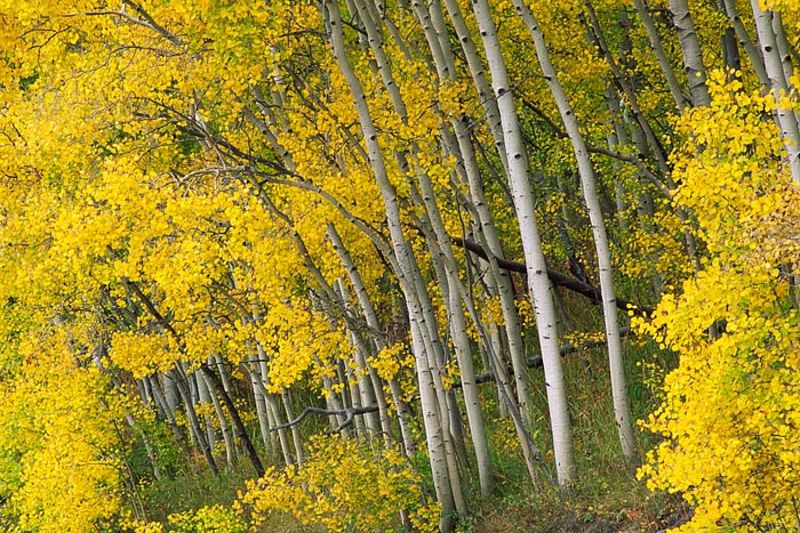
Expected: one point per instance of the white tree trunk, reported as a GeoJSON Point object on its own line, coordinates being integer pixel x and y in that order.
{"type": "Point", "coordinates": [205, 399]}
{"type": "Point", "coordinates": [692, 54]}
{"type": "Point", "coordinates": [661, 55]}
{"type": "Point", "coordinates": [475, 64]}
{"type": "Point", "coordinates": [782, 44]}
{"type": "Point", "coordinates": [261, 413]}
{"type": "Point", "coordinates": [746, 42]}
{"type": "Point", "coordinates": [170, 393]}
{"type": "Point", "coordinates": [619, 390]}
{"type": "Point", "coordinates": [465, 154]}
{"type": "Point", "coordinates": [780, 89]}
{"type": "Point", "coordinates": [534, 257]}
{"type": "Point", "coordinates": [261, 373]}
{"type": "Point", "coordinates": [442, 253]}
{"type": "Point", "coordinates": [501, 279]}
{"type": "Point", "coordinates": [297, 438]}
{"type": "Point", "coordinates": [191, 415]}
{"type": "Point", "coordinates": [230, 455]}
{"type": "Point", "coordinates": [354, 388]}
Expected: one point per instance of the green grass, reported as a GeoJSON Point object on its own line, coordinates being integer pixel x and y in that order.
{"type": "Point", "coordinates": [192, 490]}
{"type": "Point", "coordinates": [607, 496]}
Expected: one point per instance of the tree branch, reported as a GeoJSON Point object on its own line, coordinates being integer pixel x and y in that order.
{"type": "Point", "coordinates": [349, 413]}
{"type": "Point", "coordinates": [556, 277]}
{"type": "Point", "coordinates": [537, 362]}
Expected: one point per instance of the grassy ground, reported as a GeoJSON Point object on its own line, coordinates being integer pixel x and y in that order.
{"type": "Point", "coordinates": [608, 496]}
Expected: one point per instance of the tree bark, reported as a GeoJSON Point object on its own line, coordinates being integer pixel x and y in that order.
{"type": "Point", "coordinates": [780, 87]}
{"type": "Point", "coordinates": [622, 412]}
{"type": "Point", "coordinates": [756, 61]}
{"type": "Point", "coordinates": [692, 54]}
{"type": "Point", "coordinates": [661, 55]}
{"type": "Point", "coordinates": [536, 266]}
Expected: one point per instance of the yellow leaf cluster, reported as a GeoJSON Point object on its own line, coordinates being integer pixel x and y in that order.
{"type": "Point", "coordinates": [344, 485]}
{"type": "Point", "coordinates": [731, 408]}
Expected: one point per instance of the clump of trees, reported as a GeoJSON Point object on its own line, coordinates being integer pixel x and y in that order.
{"type": "Point", "coordinates": [225, 226]}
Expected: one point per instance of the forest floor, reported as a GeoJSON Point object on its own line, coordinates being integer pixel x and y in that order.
{"type": "Point", "coordinates": [608, 497]}
{"type": "Point", "coordinates": [655, 514]}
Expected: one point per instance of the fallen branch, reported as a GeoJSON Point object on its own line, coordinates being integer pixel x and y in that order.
{"type": "Point", "coordinates": [556, 277]}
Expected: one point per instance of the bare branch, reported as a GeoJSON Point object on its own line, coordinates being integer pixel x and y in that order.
{"type": "Point", "coordinates": [349, 414]}
{"type": "Point", "coordinates": [593, 293]}
{"type": "Point", "coordinates": [537, 362]}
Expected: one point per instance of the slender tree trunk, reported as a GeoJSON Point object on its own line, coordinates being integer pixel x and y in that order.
{"type": "Point", "coordinates": [297, 438]}
{"type": "Point", "coordinates": [497, 346]}
{"type": "Point", "coordinates": [230, 454]}
{"type": "Point", "coordinates": [148, 448]}
{"type": "Point", "coordinates": [756, 61]}
{"type": "Point", "coordinates": [534, 258]}
{"type": "Point", "coordinates": [661, 55]}
{"type": "Point", "coordinates": [355, 399]}
{"type": "Point", "coordinates": [371, 381]}
{"type": "Point", "coordinates": [511, 320]}
{"type": "Point", "coordinates": [169, 411]}
{"type": "Point", "coordinates": [363, 389]}
{"type": "Point", "coordinates": [477, 71]}
{"type": "Point", "coordinates": [331, 399]}
{"type": "Point", "coordinates": [170, 393]}
{"type": "Point", "coordinates": [780, 88]}
{"type": "Point", "coordinates": [204, 399]}
{"type": "Point", "coordinates": [439, 242]}
{"type": "Point", "coordinates": [223, 372]}
{"type": "Point", "coordinates": [238, 425]}
{"type": "Point", "coordinates": [194, 424]}
{"type": "Point", "coordinates": [622, 412]}
{"type": "Point", "coordinates": [692, 54]}
{"type": "Point", "coordinates": [261, 375]}
{"type": "Point", "coordinates": [782, 44]}
{"type": "Point", "coordinates": [443, 258]}
{"type": "Point", "coordinates": [462, 148]}
{"type": "Point", "coordinates": [261, 412]}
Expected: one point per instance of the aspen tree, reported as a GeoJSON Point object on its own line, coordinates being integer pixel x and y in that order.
{"type": "Point", "coordinates": [223, 424]}
{"type": "Point", "coordinates": [756, 61]}
{"type": "Point", "coordinates": [204, 401]}
{"type": "Point", "coordinates": [774, 64]}
{"type": "Point", "coordinates": [692, 53]}
{"type": "Point", "coordinates": [435, 440]}
{"type": "Point", "coordinates": [534, 258]}
{"type": "Point", "coordinates": [658, 49]}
